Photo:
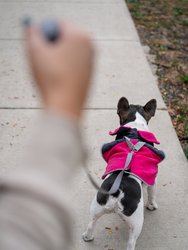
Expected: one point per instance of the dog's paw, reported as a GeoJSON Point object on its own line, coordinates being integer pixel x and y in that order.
{"type": "Point", "coordinates": [152, 206]}
{"type": "Point", "coordinates": [86, 238]}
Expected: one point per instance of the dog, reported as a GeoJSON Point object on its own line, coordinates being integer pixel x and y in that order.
{"type": "Point", "coordinates": [127, 200]}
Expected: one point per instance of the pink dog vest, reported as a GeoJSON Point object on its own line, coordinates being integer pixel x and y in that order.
{"type": "Point", "coordinates": [144, 163]}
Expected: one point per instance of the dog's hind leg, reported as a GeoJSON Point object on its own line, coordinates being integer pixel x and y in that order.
{"type": "Point", "coordinates": [135, 223]}
{"type": "Point", "coordinates": [151, 204]}
{"type": "Point", "coordinates": [96, 212]}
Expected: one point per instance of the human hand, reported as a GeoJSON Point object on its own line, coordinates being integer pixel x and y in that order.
{"type": "Point", "coordinates": [61, 69]}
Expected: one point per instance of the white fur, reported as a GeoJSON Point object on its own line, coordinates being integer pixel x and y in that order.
{"type": "Point", "coordinates": [151, 204]}
{"type": "Point", "coordinates": [140, 123]}
{"type": "Point", "coordinates": [135, 221]}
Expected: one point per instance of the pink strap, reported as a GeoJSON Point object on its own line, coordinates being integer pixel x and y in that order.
{"type": "Point", "coordinates": [114, 132]}
{"type": "Point", "coordinates": [148, 136]}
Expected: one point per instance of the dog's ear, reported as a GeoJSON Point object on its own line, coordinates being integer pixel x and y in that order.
{"type": "Point", "coordinates": [150, 108]}
{"type": "Point", "coordinates": [122, 109]}
{"type": "Point", "coordinates": [123, 104]}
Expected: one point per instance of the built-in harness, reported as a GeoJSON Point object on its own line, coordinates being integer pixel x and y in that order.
{"type": "Point", "coordinates": [134, 149]}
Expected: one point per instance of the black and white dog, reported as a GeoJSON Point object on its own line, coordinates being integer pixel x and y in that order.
{"type": "Point", "coordinates": [128, 200]}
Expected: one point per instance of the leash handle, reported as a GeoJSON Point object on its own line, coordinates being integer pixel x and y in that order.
{"type": "Point", "coordinates": [49, 28]}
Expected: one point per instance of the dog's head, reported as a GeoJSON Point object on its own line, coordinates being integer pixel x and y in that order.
{"type": "Point", "coordinates": [129, 113]}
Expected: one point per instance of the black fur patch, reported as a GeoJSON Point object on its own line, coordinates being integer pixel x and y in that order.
{"type": "Point", "coordinates": [102, 198]}
{"type": "Point", "coordinates": [132, 195]}
{"type": "Point", "coordinates": [130, 188]}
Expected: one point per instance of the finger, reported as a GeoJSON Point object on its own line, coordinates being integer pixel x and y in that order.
{"type": "Point", "coordinates": [69, 30]}
{"type": "Point", "coordinates": [34, 38]}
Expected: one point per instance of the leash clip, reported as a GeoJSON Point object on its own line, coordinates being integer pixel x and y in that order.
{"type": "Point", "coordinates": [134, 149]}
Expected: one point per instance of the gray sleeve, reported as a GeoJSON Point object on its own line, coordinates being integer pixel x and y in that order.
{"type": "Point", "coordinates": [34, 200]}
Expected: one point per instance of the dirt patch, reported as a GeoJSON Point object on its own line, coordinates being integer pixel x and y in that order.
{"type": "Point", "coordinates": [163, 26]}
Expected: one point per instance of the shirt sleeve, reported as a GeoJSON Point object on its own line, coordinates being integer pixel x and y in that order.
{"type": "Point", "coordinates": [34, 200]}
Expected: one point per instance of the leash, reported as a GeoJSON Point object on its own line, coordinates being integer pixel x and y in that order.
{"type": "Point", "coordinates": [134, 149]}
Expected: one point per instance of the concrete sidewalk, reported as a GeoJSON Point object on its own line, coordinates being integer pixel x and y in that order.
{"type": "Point", "coordinates": [121, 69]}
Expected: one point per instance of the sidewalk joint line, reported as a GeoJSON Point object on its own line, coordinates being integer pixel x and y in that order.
{"type": "Point", "coordinates": [40, 108]}
{"type": "Point", "coordinates": [93, 39]}
{"type": "Point", "coordinates": [63, 2]}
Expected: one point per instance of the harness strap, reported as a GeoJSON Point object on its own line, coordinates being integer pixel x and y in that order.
{"type": "Point", "coordinates": [134, 148]}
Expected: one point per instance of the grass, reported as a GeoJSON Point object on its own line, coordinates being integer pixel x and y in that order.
{"type": "Point", "coordinates": [185, 22]}
{"type": "Point", "coordinates": [186, 152]}
{"type": "Point", "coordinates": [178, 11]}
{"type": "Point", "coordinates": [184, 78]}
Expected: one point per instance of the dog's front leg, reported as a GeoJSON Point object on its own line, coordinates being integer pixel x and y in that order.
{"type": "Point", "coordinates": [151, 204]}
